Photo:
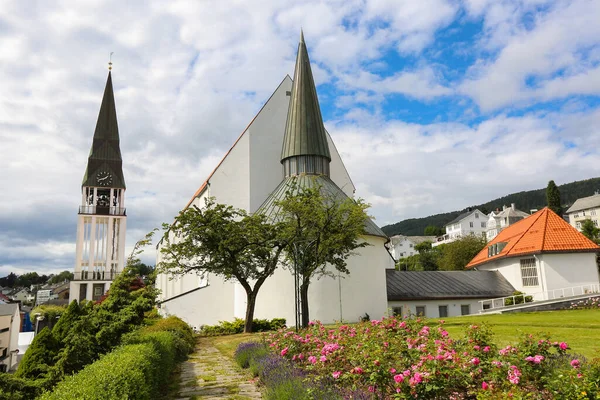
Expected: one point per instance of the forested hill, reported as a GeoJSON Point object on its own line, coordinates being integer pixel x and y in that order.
{"type": "Point", "coordinates": [525, 201]}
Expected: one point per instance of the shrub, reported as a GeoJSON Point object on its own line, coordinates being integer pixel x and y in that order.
{"type": "Point", "coordinates": [13, 388]}
{"type": "Point", "coordinates": [37, 361]}
{"type": "Point", "coordinates": [249, 351]}
{"type": "Point", "coordinates": [237, 326]}
{"type": "Point", "coordinates": [405, 359]}
{"type": "Point", "coordinates": [519, 299]}
{"type": "Point", "coordinates": [593, 303]}
{"type": "Point", "coordinates": [130, 372]}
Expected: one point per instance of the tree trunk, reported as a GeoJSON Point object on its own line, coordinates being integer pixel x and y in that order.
{"type": "Point", "coordinates": [304, 304]}
{"type": "Point", "coordinates": [250, 303]}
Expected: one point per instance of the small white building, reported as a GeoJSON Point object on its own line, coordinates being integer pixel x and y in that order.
{"type": "Point", "coordinates": [471, 222]}
{"type": "Point", "coordinates": [499, 220]}
{"type": "Point", "coordinates": [585, 208]}
{"type": "Point", "coordinates": [542, 256]}
{"type": "Point", "coordinates": [10, 322]}
{"type": "Point", "coordinates": [23, 295]}
{"type": "Point", "coordinates": [404, 246]}
{"type": "Point", "coordinates": [441, 294]}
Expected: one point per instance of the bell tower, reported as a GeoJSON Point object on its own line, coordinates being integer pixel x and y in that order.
{"type": "Point", "coordinates": [101, 222]}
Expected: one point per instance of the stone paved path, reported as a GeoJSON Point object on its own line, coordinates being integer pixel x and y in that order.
{"type": "Point", "coordinates": [208, 375]}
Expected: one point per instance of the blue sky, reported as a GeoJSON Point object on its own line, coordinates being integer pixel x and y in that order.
{"type": "Point", "coordinates": [434, 105]}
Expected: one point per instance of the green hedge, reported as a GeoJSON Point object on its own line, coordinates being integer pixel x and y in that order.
{"type": "Point", "coordinates": [237, 326]}
{"type": "Point", "coordinates": [135, 371]}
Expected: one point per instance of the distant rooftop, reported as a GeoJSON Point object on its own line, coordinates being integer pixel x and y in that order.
{"type": "Point", "coordinates": [584, 203]}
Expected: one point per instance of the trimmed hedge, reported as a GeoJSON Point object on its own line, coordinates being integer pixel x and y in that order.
{"type": "Point", "coordinates": [237, 326]}
{"type": "Point", "coordinates": [135, 371]}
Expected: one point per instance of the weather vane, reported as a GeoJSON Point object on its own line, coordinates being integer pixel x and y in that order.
{"type": "Point", "coordinates": [110, 60]}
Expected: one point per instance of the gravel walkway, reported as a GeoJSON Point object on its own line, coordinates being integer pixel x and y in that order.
{"type": "Point", "coordinates": [208, 375]}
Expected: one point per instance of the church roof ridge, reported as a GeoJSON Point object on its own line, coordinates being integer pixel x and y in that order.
{"type": "Point", "coordinates": [304, 128]}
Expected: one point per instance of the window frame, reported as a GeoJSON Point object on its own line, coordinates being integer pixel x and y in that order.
{"type": "Point", "coordinates": [462, 309]}
{"type": "Point", "coordinates": [440, 307]}
{"type": "Point", "coordinates": [423, 314]}
{"type": "Point", "coordinates": [529, 272]}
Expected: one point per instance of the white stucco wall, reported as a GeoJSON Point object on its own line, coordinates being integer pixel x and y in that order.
{"type": "Point", "coordinates": [432, 306]}
{"type": "Point", "coordinates": [555, 271]}
{"type": "Point", "coordinates": [569, 270]}
{"type": "Point", "coordinates": [205, 306]}
{"type": "Point", "coordinates": [10, 338]}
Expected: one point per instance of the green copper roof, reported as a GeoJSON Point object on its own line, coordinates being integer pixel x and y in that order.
{"type": "Point", "coordinates": [105, 154]}
{"type": "Point", "coordinates": [304, 129]}
{"type": "Point", "coordinates": [271, 210]}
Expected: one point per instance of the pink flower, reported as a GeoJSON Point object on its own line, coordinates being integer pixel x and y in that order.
{"type": "Point", "coordinates": [301, 356]}
{"type": "Point", "coordinates": [486, 349]}
{"type": "Point", "coordinates": [476, 347]}
{"type": "Point", "coordinates": [415, 379]}
{"type": "Point", "coordinates": [357, 370]}
{"type": "Point", "coordinates": [311, 323]}
{"type": "Point", "coordinates": [563, 346]}
{"type": "Point", "coordinates": [372, 389]}
{"type": "Point", "coordinates": [312, 359]}
{"type": "Point", "coordinates": [392, 370]}
{"type": "Point", "coordinates": [336, 374]}
{"type": "Point", "coordinates": [485, 385]}
{"type": "Point", "coordinates": [513, 375]}
{"type": "Point", "coordinates": [284, 352]}
{"type": "Point", "coordinates": [399, 378]}
{"type": "Point", "coordinates": [475, 361]}
{"type": "Point", "coordinates": [575, 363]}
{"type": "Point", "coordinates": [376, 362]}
{"type": "Point", "coordinates": [323, 358]}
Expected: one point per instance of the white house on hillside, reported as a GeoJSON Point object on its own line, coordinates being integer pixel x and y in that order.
{"type": "Point", "coordinates": [10, 322]}
{"type": "Point", "coordinates": [285, 143]}
{"type": "Point", "coordinates": [404, 246]}
{"type": "Point", "coordinates": [501, 219]}
{"type": "Point", "coordinates": [471, 222]}
{"type": "Point", "coordinates": [542, 255]}
{"type": "Point", "coordinates": [585, 208]}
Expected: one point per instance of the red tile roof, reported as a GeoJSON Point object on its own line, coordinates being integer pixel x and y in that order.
{"type": "Point", "coordinates": [542, 232]}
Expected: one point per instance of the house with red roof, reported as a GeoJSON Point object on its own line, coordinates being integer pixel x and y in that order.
{"type": "Point", "coordinates": [543, 256]}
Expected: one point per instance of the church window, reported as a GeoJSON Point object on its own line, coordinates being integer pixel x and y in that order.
{"type": "Point", "coordinates": [465, 309]}
{"type": "Point", "coordinates": [529, 274]}
{"type": "Point", "coordinates": [421, 311]}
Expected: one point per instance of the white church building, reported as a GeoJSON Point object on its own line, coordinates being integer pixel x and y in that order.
{"type": "Point", "coordinates": [286, 141]}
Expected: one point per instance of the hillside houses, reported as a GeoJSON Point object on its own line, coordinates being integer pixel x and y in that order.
{"type": "Point", "coordinates": [471, 222]}
{"type": "Point", "coordinates": [498, 220]}
{"type": "Point", "coordinates": [585, 208]}
{"type": "Point", "coordinates": [404, 246]}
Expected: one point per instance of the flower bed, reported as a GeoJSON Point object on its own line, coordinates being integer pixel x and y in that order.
{"type": "Point", "coordinates": [404, 358]}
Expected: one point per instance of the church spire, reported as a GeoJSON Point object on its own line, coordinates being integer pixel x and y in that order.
{"type": "Point", "coordinates": [305, 136]}
{"type": "Point", "coordinates": [105, 155]}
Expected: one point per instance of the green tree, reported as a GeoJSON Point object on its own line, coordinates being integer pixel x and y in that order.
{"type": "Point", "coordinates": [224, 241]}
{"type": "Point", "coordinates": [9, 281]}
{"type": "Point", "coordinates": [63, 276]}
{"type": "Point", "coordinates": [433, 230]}
{"type": "Point", "coordinates": [456, 255]}
{"type": "Point", "coordinates": [553, 198]}
{"type": "Point", "coordinates": [322, 229]}
{"type": "Point", "coordinates": [39, 357]}
{"type": "Point", "coordinates": [590, 230]}
{"type": "Point", "coordinates": [423, 247]}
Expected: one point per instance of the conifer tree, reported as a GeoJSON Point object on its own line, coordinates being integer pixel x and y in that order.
{"type": "Point", "coordinates": [553, 198]}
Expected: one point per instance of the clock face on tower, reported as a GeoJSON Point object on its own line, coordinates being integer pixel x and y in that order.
{"type": "Point", "coordinates": [104, 178]}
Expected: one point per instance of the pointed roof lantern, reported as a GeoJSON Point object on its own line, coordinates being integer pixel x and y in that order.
{"type": "Point", "coordinates": [105, 154]}
{"type": "Point", "coordinates": [304, 130]}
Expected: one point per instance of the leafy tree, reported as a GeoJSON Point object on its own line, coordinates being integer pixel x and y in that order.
{"type": "Point", "coordinates": [61, 277]}
{"type": "Point", "coordinates": [553, 198]}
{"type": "Point", "coordinates": [590, 230]}
{"type": "Point", "coordinates": [423, 247]}
{"type": "Point", "coordinates": [456, 255]}
{"type": "Point", "coordinates": [433, 230]}
{"type": "Point", "coordinates": [410, 263]}
{"type": "Point", "coordinates": [224, 241]}
{"type": "Point", "coordinates": [322, 229]}
{"type": "Point", "coordinates": [9, 281]}
{"type": "Point", "coordinates": [71, 315]}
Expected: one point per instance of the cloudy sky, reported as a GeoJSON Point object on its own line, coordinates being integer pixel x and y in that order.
{"type": "Point", "coordinates": [434, 105]}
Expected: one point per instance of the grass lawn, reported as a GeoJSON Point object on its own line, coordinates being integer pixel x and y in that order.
{"type": "Point", "coordinates": [579, 328]}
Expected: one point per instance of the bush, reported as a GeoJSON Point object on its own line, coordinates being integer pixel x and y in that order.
{"type": "Point", "coordinates": [13, 388]}
{"type": "Point", "coordinates": [249, 351]}
{"type": "Point", "coordinates": [237, 326]}
{"type": "Point", "coordinates": [519, 299]}
{"type": "Point", "coordinates": [130, 372]}
{"type": "Point", "coordinates": [175, 325]}
{"type": "Point", "coordinates": [37, 361]}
